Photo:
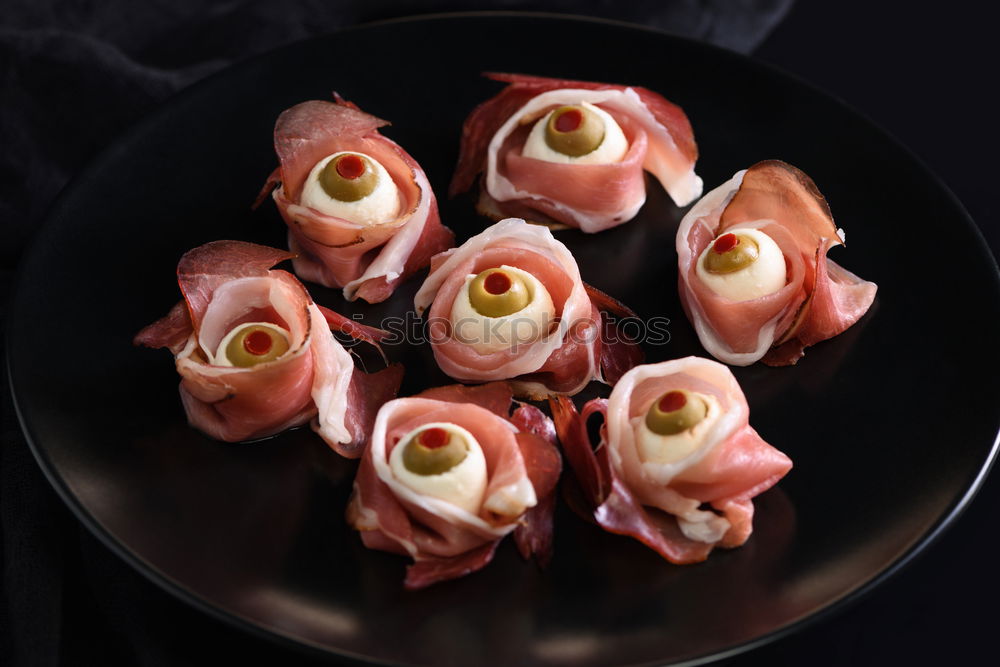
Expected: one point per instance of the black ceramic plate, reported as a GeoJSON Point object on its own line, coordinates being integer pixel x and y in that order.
{"type": "Point", "coordinates": [888, 436]}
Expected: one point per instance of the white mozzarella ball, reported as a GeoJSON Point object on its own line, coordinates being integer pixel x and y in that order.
{"type": "Point", "coordinates": [464, 485]}
{"type": "Point", "coordinates": [764, 276]}
{"type": "Point", "coordinates": [492, 334]}
{"type": "Point", "coordinates": [612, 149]}
{"type": "Point", "coordinates": [221, 359]}
{"type": "Point", "coordinates": [379, 206]}
{"type": "Point", "coordinates": [656, 448]}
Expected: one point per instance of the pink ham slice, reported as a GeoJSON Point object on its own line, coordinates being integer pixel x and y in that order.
{"type": "Point", "coordinates": [563, 361]}
{"type": "Point", "coordinates": [445, 542]}
{"type": "Point", "coordinates": [684, 509]}
{"type": "Point", "coordinates": [227, 283]}
{"type": "Point", "coordinates": [369, 262]}
{"type": "Point", "coordinates": [590, 197]}
{"type": "Point", "coordinates": [819, 300]}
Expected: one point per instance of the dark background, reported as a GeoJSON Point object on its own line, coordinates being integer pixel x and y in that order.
{"type": "Point", "coordinates": [924, 75]}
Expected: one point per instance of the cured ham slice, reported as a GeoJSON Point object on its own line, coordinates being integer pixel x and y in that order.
{"type": "Point", "coordinates": [445, 540]}
{"type": "Point", "coordinates": [819, 299]}
{"type": "Point", "coordinates": [592, 197]}
{"type": "Point", "coordinates": [684, 507]}
{"type": "Point", "coordinates": [367, 260]}
{"type": "Point", "coordinates": [574, 345]}
{"type": "Point", "coordinates": [228, 284]}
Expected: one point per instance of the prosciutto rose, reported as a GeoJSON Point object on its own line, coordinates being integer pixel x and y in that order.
{"type": "Point", "coordinates": [678, 463]}
{"type": "Point", "coordinates": [754, 278]}
{"type": "Point", "coordinates": [452, 471]}
{"type": "Point", "coordinates": [360, 212]}
{"type": "Point", "coordinates": [256, 355]}
{"type": "Point", "coordinates": [510, 304]}
{"type": "Point", "coordinates": [574, 152]}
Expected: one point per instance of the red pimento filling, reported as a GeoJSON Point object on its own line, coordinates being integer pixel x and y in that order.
{"type": "Point", "coordinates": [725, 243]}
{"type": "Point", "coordinates": [497, 283]}
{"type": "Point", "coordinates": [434, 438]}
{"type": "Point", "coordinates": [569, 120]}
{"type": "Point", "coordinates": [672, 401]}
{"type": "Point", "coordinates": [350, 166]}
{"type": "Point", "coordinates": [258, 343]}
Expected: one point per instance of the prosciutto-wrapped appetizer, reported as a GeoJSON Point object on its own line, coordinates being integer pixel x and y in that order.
{"type": "Point", "coordinates": [449, 473]}
{"type": "Point", "coordinates": [256, 355]}
{"type": "Point", "coordinates": [754, 277]}
{"type": "Point", "coordinates": [678, 463]}
{"type": "Point", "coordinates": [509, 304]}
{"type": "Point", "coordinates": [360, 212]}
{"type": "Point", "coordinates": [574, 152]}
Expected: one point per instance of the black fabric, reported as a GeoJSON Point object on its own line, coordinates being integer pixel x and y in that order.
{"type": "Point", "coordinates": [74, 73]}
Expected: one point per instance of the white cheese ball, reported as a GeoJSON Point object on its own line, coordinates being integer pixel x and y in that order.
{"type": "Point", "coordinates": [463, 485]}
{"type": "Point", "coordinates": [612, 148]}
{"type": "Point", "coordinates": [220, 358]}
{"type": "Point", "coordinates": [656, 448]}
{"type": "Point", "coordinates": [492, 334]}
{"type": "Point", "coordinates": [379, 206]}
{"type": "Point", "coordinates": [764, 276]}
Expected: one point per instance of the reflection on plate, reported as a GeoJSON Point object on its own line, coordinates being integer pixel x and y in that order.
{"type": "Point", "coordinates": [255, 533]}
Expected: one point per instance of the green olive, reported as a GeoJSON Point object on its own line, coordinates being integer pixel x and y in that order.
{"type": "Point", "coordinates": [675, 411]}
{"type": "Point", "coordinates": [498, 293]}
{"type": "Point", "coordinates": [730, 253]}
{"type": "Point", "coordinates": [348, 177]}
{"type": "Point", "coordinates": [433, 451]}
{"type": "Point", "coordinates": [256, 344]}
{"type": "Point", "coordinates": [574, 131]}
